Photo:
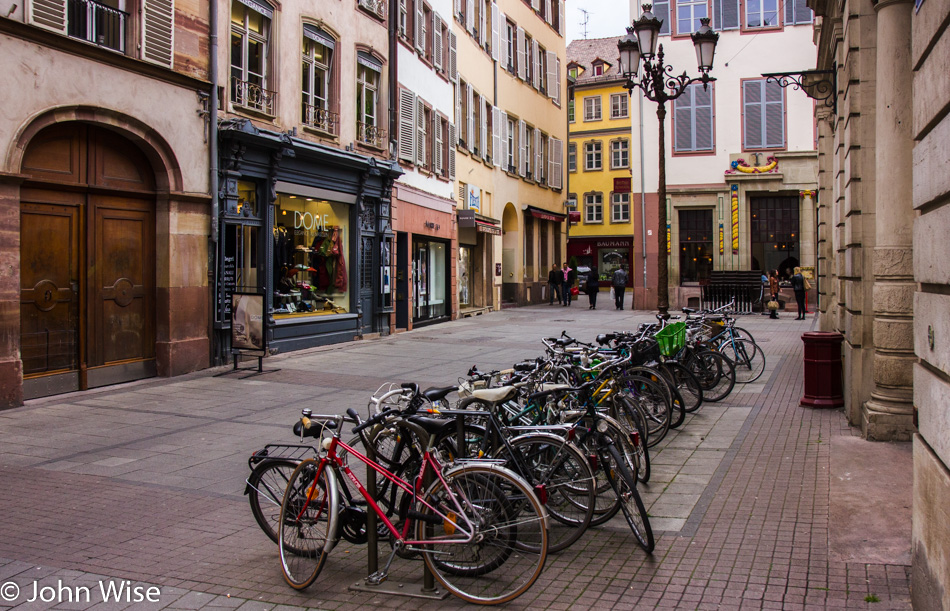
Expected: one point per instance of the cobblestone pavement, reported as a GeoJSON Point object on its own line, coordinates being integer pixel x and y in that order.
{"type": "Point", "coordinates": [144, 483]}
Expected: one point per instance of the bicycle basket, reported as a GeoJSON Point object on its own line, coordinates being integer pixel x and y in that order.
{"type": "Point", "coordinates": [671, 338]}
{"type": "Point", "coordinates": [645, 351]}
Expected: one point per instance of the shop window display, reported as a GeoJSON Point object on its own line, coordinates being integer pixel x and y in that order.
{"type": "Point", "coordinates": [311, 242]}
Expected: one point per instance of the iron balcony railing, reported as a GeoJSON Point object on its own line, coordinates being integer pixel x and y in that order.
{"type": "Point", "coordinates": [321, 120]}
{"type": "Point", "coordinates": [96, 23]}
{"type": "Point", "coordinates": [370, 134]}
{"type": "Point", "coordinates": [253, 96]}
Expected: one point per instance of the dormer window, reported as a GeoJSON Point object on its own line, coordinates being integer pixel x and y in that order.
{"type": "Point", "coordinates": [600, 67]}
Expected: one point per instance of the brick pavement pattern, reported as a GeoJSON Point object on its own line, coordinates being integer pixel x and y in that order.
{"type": "Point", "coordinates": [144, 483]}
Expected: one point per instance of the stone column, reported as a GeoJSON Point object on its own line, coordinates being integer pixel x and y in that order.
{"type": "Point", "coordinates": [807, 238]}
{"type": "Point", "coordinates": [889, 412]}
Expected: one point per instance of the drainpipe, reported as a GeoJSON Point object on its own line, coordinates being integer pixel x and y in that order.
{"type": "Point", "coordinates": [643, 196]}
{"type": "Point", "coordinates": [213, 116]}
{"type": "Point", "coordinates": [393, 75]}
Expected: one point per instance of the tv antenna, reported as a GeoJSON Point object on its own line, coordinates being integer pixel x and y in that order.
{"type": "Point", "coordinates": [586, 19]}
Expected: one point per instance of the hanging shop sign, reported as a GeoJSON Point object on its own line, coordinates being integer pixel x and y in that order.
{"type": "Point", "coordinates": [622, 185]}
{"type": "Point", "coordinates": [473, 199]}
{"type": "Point", "coordinates": [734, 191]}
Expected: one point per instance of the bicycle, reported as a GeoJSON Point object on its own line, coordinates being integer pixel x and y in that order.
{"type": "Point", "coordinates": [478, 526]}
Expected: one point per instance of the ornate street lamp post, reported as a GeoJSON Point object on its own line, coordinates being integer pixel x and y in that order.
{"type": "Point", "coordinates": [660, 85]}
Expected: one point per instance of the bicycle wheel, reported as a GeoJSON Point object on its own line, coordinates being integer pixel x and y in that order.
{"type": "Point", "coordinates": [606, 504]}
{"type": "Point", "coordinates": [493, 545]}
{"type": "Point", "coordinates": [631, 417]}
{"type": "Point", "coordinates": [630, 502]}
{"type": "Point", "coordinates": [741, 333]}
{"type": "Point", "coordinates": [650, 397]}
{"type": "Point", "coordinates": [308, 523]}
{"type": "Point", "coordinates": [686, 384]}
{"type": "Point", "coordinates": [749, 359]}
{"type": "Point", "coordinates": [715, 372]}
{"type": "Point", "coordinates": [563, 481]}
{"type": "Point", "coordinates": [265, 492]}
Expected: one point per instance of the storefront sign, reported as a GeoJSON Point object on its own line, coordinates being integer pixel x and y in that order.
{"type": "Point", "coordinates": [734, 190]}
{"type": "Point", "coordinates": [474, 199]}
{"type": "Point", "coordinates": [622, 185]}
{"type": "Point", "coordinates": [247, 322]}
{"type": "Point", "coordinates": [574, 216]}
{"type": "Point", "coordinates": [541, 213]}
{"type": "Point", "coordinates": [228, 270]}
{"type": "Point", "coordinates": [614, 244]}
{"type": "Point", "coordinates": [487, 228]}
{"type": "Point", "coordinates": [260, 7]}
{"type": "Point", "coordinates": [310, 222]}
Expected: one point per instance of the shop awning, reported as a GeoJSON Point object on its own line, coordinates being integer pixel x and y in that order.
{"type": "Point", "coordinates": [483, 224]}
{"type": "Point", "coordinates": [547, 215]}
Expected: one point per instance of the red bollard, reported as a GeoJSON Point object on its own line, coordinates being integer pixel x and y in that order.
{"type": "Point", "coordinates": [822, 361]}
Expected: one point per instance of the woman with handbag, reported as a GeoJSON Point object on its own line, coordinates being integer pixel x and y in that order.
{"type": "Point", "coordinates": [773, 291]}
{"type": "Point", "coordinates": [800, 285]}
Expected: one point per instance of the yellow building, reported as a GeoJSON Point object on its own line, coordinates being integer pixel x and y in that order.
{"type": "Point", "coordinates": [598, 159]}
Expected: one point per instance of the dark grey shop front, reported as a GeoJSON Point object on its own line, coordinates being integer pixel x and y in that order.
{"type": "Point", "coordinates": [303, 225]}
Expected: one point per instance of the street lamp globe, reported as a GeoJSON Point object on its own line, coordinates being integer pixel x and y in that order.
{"type": "Point", "coordinates": [704, 40]}
{"type": "Point", "coordinates": [629, 48]}
{"type": "Point", "coordinates": [647, 28]}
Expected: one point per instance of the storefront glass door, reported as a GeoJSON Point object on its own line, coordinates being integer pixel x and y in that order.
{"type": "Point", "coordinates": [429, 280]}
{"type": "Point", "coordinates": [465, 277]}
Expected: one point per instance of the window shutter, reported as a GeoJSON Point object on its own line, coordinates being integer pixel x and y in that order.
{"type": "Point", "coordinates": [484, 21]}
{"type": "Point", "coordinates": [470, 119]}
{"type": "Point", "coordinates": [437, 150]}
{"type": "Point", "coordinates": [451, 154]}
{"type": "Point", "coordinates": [536, 5]}
{"type": "Point", "coordinates": [796, 11]}
{"type": "Point", "coordinates": [407, 125]}
{"type": "Point", "coordinates": [436, 41]}
{"type": "Point", "coordinates": [774, 115]}
{"type": "Point", "coordinates": [682, 122]}
{"type": "Point", "coordinates": [503, 58]}
{"type": "Point", "coordinates": [789, 11]}
{"type": "Point", "coordinates": [49, 14]}
{"type": "Point", "coordinates": [158, 28]}
{"type": "Point", "coordinates": [538, 157]}
{"type": "Point", "coordinates": [421, 132]}
{"type": "Point", "coordinates": [533, 50]}
{"type": "Point", "coordinates": [496, 135]}
{"type": "Point", "coordinates": [557, 90]}
{"type": "Point", "coordinates": [494, 31]}
{"type": "Point", "coordinates": [726, 14]}
{"type": "Point", "coordinates": [661, 9]}
{"type": "Point", "coordinates": [560, 17]}
{"type": "Point", "coordinates": [752, 111]}
{"type": "Point", "coordinates": [556, 156]}
{"type": "Point", "coordinates": [458, 108]}
{"type": "Point", "coordinates": [417, 36]}
{"type": "Point", "coordinates": [470, 16]}
{"type": "Point", "coordinates": [522, 152]}
{"type": "Point", "coordinates": [503, 130]}
{"type": "Point", "coordinates": [553, 76]}
{"type": "Point", "coordinates": [522, 59]}
{"type": "Point", "coordinates": [484, 130]}
{"type": "Point", "coordinates": [458, 9]}
{"type": "Point", "coordinates": [453, 57]}
{"type": "Point", "coordinates": [703, 117]}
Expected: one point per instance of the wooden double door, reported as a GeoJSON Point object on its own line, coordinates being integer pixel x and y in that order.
{"type": "Point", "coordinates": [87, 261]}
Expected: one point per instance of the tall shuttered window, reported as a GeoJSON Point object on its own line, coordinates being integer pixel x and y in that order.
{"type": "Point", "coordinates": [725, 15]}
{"type": "Point", "coordinates": [316, 80]}
{"type": "Point", "coordinates": [763, 115]}
{"type": "Point", "coordinates": [250, 31]}
{"type": "Point", "coordinates": [693, 120]}
{"type": "Point", "coordinates": [368, 71]}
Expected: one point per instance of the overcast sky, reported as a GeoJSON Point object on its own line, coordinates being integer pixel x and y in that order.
{"type": "Point", "coordinates": [604, 18]}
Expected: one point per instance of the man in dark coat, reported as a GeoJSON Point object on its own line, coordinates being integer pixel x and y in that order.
{"type": "Point", "coordinates": [554, 284]}
{"type": "Point", "coordinates": [619, 282]}
{"type": "Point", "coordinates": [592, 287]}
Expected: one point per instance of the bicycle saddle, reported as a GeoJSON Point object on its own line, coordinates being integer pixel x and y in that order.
{"type": "Point", "coordinates": [495, 395]}
{"type": "Point", "coordinates": [430, 425]}
{"type": "Point", "coordinates": [437, 394]}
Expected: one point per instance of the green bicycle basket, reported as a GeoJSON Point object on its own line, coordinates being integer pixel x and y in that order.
{"type": "Point", "coordinates": [671, 338]}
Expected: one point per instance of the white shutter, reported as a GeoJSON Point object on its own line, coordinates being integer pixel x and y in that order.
{"type": "Point", "coordinates": [494, 31]}
{"type": "Point", "coordinates": [553, 76]}
{"type": "Point", "coordinates": [470, 119]}
{"type": "Point", "coordinates": [407, 125]}
{"type": "Point", "coordinates": [557, 80]}
{"type": "Point", "coordinates": [536, 173]}
{"type": "Point", "coordinates": [436, 41]}
{"type": "Point", "coordinates": [522, 149]}
{"type": "Point", "coordinates": [536, 5]}
{"type": "Point", "coordinates": [158, 32]}
{"type": "Point", "coordinates": [522, 59]}
{"type": "Point", "coordinates": [556, 153]}
{"type": "Point", "coordinates": [505, 140]}
{"type": "Point", "coordinates": [535, 65]}
{"type": "Point", "coordinates": [438, 149]}
{"type": "Point", "coordinates": [458, 107]}
{"type": "Point", "coordinates": [503, 41]}
{"type": "Point", "coordinates": [452, 143]}
{"type": "Point", "coordinates": [484, 21]}
{"type": "Point", "coordinates": [470, 15]}
{"type": "Point", "coordinates": [483, 140]}
{"type": "Point", "coordinates": [421, 132]}
{"type": "Point", "coordinates": [458, 8]}
{"type": "Point", "coordinates": [496, 135]}
{"type": "Point", "coordinates": [49, 14]}
{"type": "Point", "coordinates": [418, 36]}
{"type": "Point", "coordinates": [560, 17]}
{"type": "Point", "coordinates": [453, 57]}
{"type": "Point", "coordinates": [552, 159]}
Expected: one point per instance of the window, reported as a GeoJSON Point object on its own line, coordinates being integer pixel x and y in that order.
{"type": "Point", "coordinates": [726, 14]}
{"type": "Point", "coordinates": [592, 156]}
{"type": "Point", "coordinates": [316, 84]}
{"type": "Point", "coordinates": [618, 106]}
{"type": "Point", "coordinates": [594, 208]}
{"type": "Point", "coordinates": [542, 63]}
{"type": "Point", "coordinates": [572, 157]}
{"type": "Point", "coordinates": [529, 152]}
{"type": "Point", "coordinates": [661, 9]}
{"type": "Point", "coordinates": [763, 115]}
{"type": "Point", "coordinates": [761, 13]}
{"type": "Point", "coordinates": [476, 141]}
{"type": "Point", "coordinates": [570, 110]}
{"type": "Point", "coordinates": [774, 231]}
{"type": "Point", "coordinates": [620, 208]}
{"type": "Point", "coordinates": [696, 245]}
{"type": "Point", "coordinates": [511, 145]}
{"type": "Point", "coordinates": [368, 72]}
{"type": "Point", "coordinates": [249, 52]}
{"type": "Point", "coordinates": [572, 72]}
{"type": "Point", "coordinates": [405, 20]}
{"type": "Point", "coordinates": [796, 12]}
{"type": "Point", "coordinates": [101, 23]}
{"type": "Point", "coordinates": [511, 43]}
{"type": "Point", "coordinates": [529, 56]}
{"type": "Point", "coordinates": [598, 69]}
{"type": "Point", "coordinates": [619, 154]}
{"type": "Point", "coordinates": [464, 101]}
{"type": "Point", "coordinates": [426, 31]}
{"type": "Point", "coordinates": [592, 108]}
{"type": "Point", "coordinates": [541, 157]}
{"type": "Point", "coordinates": [693, 120]}
{"type": "Point", "coordinates": [688, 14]}
{"type": "Point", "coordinates": [423, 142]}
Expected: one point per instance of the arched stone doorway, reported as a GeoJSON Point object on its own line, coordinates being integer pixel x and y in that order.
{"type": "Point", "coordinates": [511, 275]}
{"type": "Point", "coordinates": [87, 260]}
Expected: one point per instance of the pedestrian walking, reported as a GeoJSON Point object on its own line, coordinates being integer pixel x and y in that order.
{"type": "Point", "coordinates": [800, 285]}
{"type": "Point", "coordinates": [592, 287]}
{"type": "Point", "coordinates": [566, 281]}
{"type": "Point", "coordinates": [554, 284]}
{"type": "Point", "coordinates": [773, 292]}
{"type": "Point", "coordinates": [619, 282]}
